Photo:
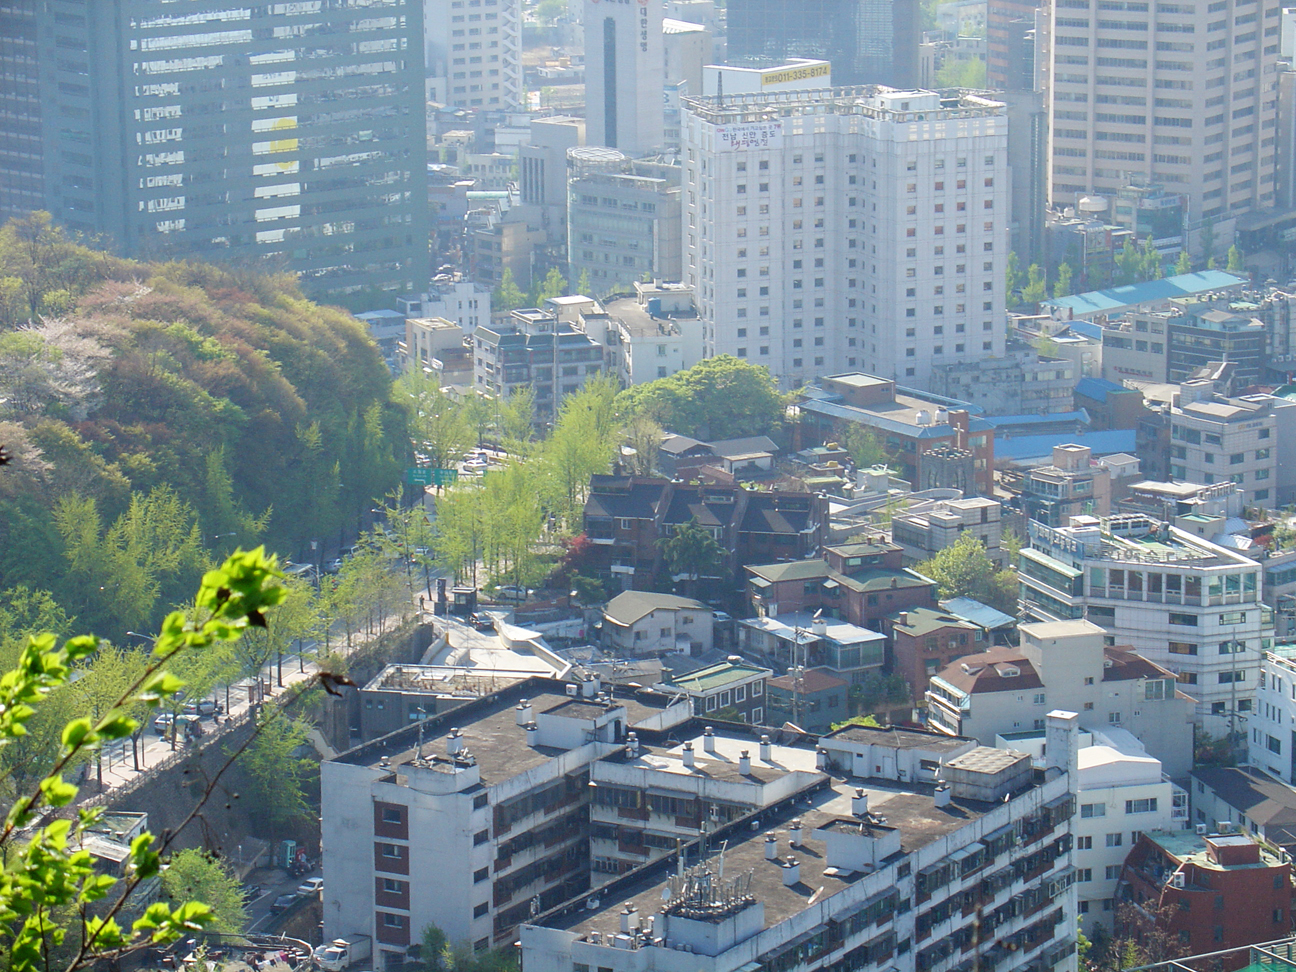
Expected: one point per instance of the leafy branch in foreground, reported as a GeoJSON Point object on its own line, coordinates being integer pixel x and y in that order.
{"type": "Point", "coordinates": [47, 876]}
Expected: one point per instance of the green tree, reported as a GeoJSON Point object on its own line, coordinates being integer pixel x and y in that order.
{"type": "Point", "coordinates": [438, 427]}
{"type": "Point", "coordinates": [193, 876]}
{"type": "Point", "coordinates": [1184, 263]}
{"type": "Point", "coordinates": [1234, 260]}
{"type": "Point", "coordinates": [1014, 280]}
{"type": "Point", "coordinates": [719, 398]}
{"type": "Point", "coordinates": [583, 442]}
{"type": "Point", "coordinates": [549, 12]}
{"type": "Point", "coordinates": [968, 73]}
{"type": "Point", "coordinates": [517, 419]}
{"type": "Point", "coordinates": [553, 285]}
{"type": "Point", "coordinates": [1036, 288]}
{"type": "Point", "coordinates": [964, 569]}
{"type": "Point", "coordinates": [1128, 264]}
{"type": "Point", "coordinates": [863, 446]}
{"type": "Point", "coordinates": [48, 884]}
{"type": "Point", "coordinates": [642, 438]}
{"type": "Point", "coordinates": [583, 285]}
{"type": "Point", "coordinates": [276, 778]}
{"type": "Point", "coordinates": [1062, 286]}
{"type": "Point", "coordinates": [693, 552]}
{"type": "Point", "coordinates": [1151, 266]}
{"type": "Point", "coordinates": [507, 296]}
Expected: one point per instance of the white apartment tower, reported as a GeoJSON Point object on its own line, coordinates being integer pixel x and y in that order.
{"type": "Point", "coordinates": [862, 229]}
{"type": "Point", "coordinates": [625, 71]}
{"type": "Point", "coordinates": [1178, 94]}
{"type": "Point", "coordinates": [473, 51]}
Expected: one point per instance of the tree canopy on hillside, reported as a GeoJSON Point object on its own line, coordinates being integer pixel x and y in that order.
{"type": "Point", "coordinates": [181, 401]}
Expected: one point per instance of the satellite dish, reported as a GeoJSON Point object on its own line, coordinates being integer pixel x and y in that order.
{"type": "Point", "coordinates": [666, 893]}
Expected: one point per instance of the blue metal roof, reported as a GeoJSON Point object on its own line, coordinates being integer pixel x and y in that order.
{"type": "Point", "coordinates": [982, 615]}
{"type": "Point", "coordinates": [1086, 328]}
{"type": "Point", "coordinates": [1150, 291]}
{"type": "Point", "coordinates": [1106, 443]}
{"type": "Point", "coordinates": [1097, 388]}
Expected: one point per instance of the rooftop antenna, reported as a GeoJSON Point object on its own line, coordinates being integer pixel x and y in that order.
{"type": "Point", "coordinates": [418, 753]}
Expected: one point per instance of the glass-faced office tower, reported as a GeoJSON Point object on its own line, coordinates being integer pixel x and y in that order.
{"type": "Point", "coordinates": [272, 135]}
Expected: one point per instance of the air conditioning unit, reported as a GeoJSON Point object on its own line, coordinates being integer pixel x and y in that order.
{"type": "Point", "coordinates": [1225, 827]}
{"type": "Point", "coordinates": [1201, 828]}
{"type": "Point", "coordinates": [1177, 880]}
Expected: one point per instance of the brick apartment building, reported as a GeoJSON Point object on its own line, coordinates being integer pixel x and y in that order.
{"type": "Point", "coordinates": [626, 516]}
{"type": "Point", "coordinates": [924, 640]}
{"type": "Point", "coordinates": [1210, 892]}
{"type": "Point", "coordinates": [862, 583]}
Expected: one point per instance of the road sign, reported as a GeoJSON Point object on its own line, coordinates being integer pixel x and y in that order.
{"type": "Point", "coordinates": [419, 477]}
{"type": "Point", "coordinates": [445, 477]}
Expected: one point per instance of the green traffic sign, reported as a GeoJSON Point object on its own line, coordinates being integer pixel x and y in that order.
{"type": "Point", "coordinates": [445, 477]}
{"type": "Point", "coordinates": [419, 477]}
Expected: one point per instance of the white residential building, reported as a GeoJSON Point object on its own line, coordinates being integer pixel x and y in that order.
{"type": "Point", "coordinates": [1178, 599]}
{"type": "Point", "coordinates": [1214, 439]}
{"type": "Point", "coordinates": [1063, 664]}
{"type": "Point", "coordinates": [646, 623]}
{"type": "Point", "coordinates": [1271, 744]}
{"type": "Point", "coordinates": [473, 52]}
{"type": "Point", "coordinates": [1184, 97]}
{"type": "Point", "coordinates": [870, 871]}
{"type": "Point", "coordinates": [451, 298]}
{"type": "Point", "coordinates": [625, 72]}
{"type": "Point", "coordinates": [1121, 786]}
{"type": "Point", "coordinates": [861, 230]}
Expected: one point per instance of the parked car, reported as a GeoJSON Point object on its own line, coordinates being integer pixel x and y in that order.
{"type": "Point", "coordinates": [282, 903]}
{"type": "Point", "coordinates": [251, 892]}
{"type": "Point", "coordinates": [333, 566]}
{"type": "Point", "coordinates": [482, 622]}
{"type": "Point", "coordinates": [476, 463]}
{"type": "Point", "coordinates": [511, 592]}
{"type": "Point", "coordinates": [310, 886]}
{"type": "Point", "coordinates": [203, 707]}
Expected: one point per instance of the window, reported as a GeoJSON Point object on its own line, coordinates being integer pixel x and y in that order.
{"type": "Point", "coordinates": [1084, 843]}
{"type": "Point", "coordinates": [392, 886]}
{"type": "Point", "coordinates": [393, 921]}
{"type": "Point", "coordinates": [481, 837]}
{"type": "Point", "coordinates": [480, 875]}
{"type": "Point", "coordinates": [1146, 805]}
{"type": "Point", "coordinates": [1115, 840]}
{"type": "Point", "coordinates": [481, 909]}
{"type": "Point", "coordinates": [1113, 872]}
{"type": "Point", "coordinates": [1183, 619]}
{"type": "Point", "coordinates": [1093, 810]}
{"type": "Point", "coordinates": [391, 815]}
{"type": "Point", "coordinates": [480, 800]}
{"type": "Point", "coordinates": [1084, 874]}
{"type": "Point", "coordinates": [1182, 648]}
{"type": "Point", "coordinates": [392, 850]}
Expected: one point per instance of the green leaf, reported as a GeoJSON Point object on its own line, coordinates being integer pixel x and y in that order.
{"type": "Point", "coordinates": [161, 685]}
{"type": "Point", "coordinates": [117, 727]}
{"type": "Point", "coordinates": [77, 732]}
{"type": "Point", "coordinates": [58, 793]}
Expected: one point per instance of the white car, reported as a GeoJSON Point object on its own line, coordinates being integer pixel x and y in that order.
{"type": "Point", "coordinates": [310, 886]}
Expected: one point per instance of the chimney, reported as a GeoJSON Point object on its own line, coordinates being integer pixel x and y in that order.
{"type": "Point", "coordinates": [791, 872]}
{"type": "Point", "coordinates": [819, 627]}
{"type": "Point", "coordinates": [859, 802]}
{"type": "Point", "coordinates": [943, 795]}
{"type": "Point", "coordinates": [533, 735]}
{"type": "Point", "coordinates": [744, 763]}
{"type": "Point", "coordinates": [632, 744]}
{"type": "Point", "coordinates": [771, 847]}
{"type": "Point", "coordinates": [794, 834]}
{"type": "Point", "coordinates": [708, 740]}
{"type": "Point", "coordinates": [821, 759]}
{"type": "Point", "coordinates": [629, 919]}
{"type": "Point", "coordinates": [1061, 744]}
{"type": "Point", "coordinates": [766, 750]}
{"type": "Point", "coordinates": [454, 742]}
{"type": "Point", "coordinates": [523, 712]}
{"type": "Point", "coordinates": [904, 619]}
{"type": "Point", "coordinates": [688, 755]}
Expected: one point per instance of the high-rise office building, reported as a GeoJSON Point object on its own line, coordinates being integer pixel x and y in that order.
{"type": "Point", "coordinates": [22, 185]}
{"type": "Point", "coordinates": [829, 230]}
{"type": "Point", "coordinates": [1180, 95]}
{"type": "Point", "coordinates": [473, 50]}
{"type": "Point", "coordinates": [625, 71]}
{"type": "Point", "coordinates": [867, 41]}
{"type": "Point", "coordinates": [290, 134]}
